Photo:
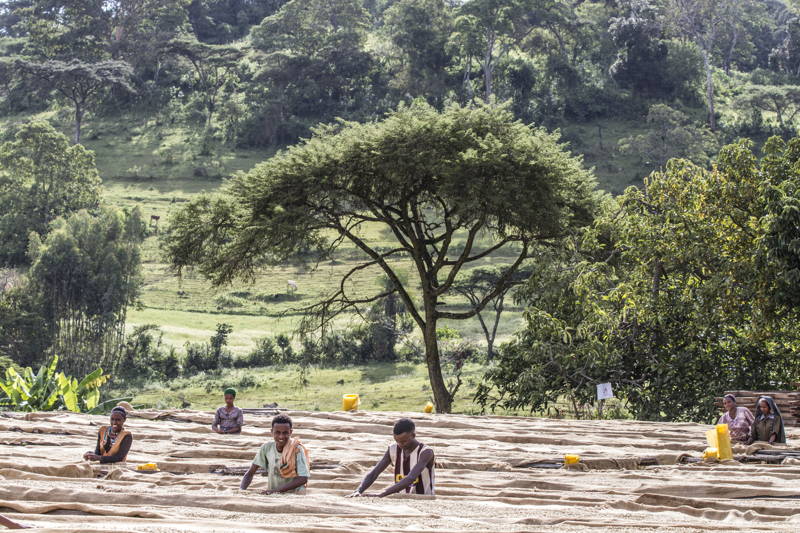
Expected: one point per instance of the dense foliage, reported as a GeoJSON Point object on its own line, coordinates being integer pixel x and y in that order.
{"type": "Point", "coordinates": [686, 287]}
{"type": "Point", "coordinates": [48, 390]}
{"type": "Point", "coordinates": [264, 73]}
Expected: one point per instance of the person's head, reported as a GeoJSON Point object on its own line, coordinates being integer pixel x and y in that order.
{"type": "Point", "coordinates": [763, 406]}
{"type": "Point", "coordinates": [405, 432]}
{"type": "Point", "coordinates": [230, 395]}
{"type": "Point", "coordinates": [729, 401]}
{"type": "Point", "coordinates": [118, 417]}
{"type": "Point", "coordinates": [281, 430]}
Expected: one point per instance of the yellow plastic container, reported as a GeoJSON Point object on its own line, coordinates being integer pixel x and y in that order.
{"type": "Point", "coordinates": [570, 459]}
{"type": "Point", "coordinates": [724, 442]}
{"type": "Point", "coordinates": [148, 467]}
{"type": "Point", "coordinates": [350, 402]}
{"type": "Point", "coordinates": [712, 438]}
{"type": "Point", "coordinates": [428, 408]}
{"type": "Point", "coordinates": [710, 453]}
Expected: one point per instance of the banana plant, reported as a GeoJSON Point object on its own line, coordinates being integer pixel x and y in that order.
{"type": "Point", "coordinates": [48, 390]}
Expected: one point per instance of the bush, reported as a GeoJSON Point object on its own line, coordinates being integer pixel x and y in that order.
{"type": "Point", "coordinates": [211, 355]}
{"type": "Point", "coordinates": [49, 391]}
{"type": "Point", "coordinates": [264, 354]}
{"type": "Point", "coordinates": [145, 356]}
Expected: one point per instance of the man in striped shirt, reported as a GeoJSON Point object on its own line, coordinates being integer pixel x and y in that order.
{"type": "Point", "coordinates": [413, 464]}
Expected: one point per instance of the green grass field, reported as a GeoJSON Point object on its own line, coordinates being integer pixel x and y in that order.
{"type": "Point", "coordinates": [381, 387]}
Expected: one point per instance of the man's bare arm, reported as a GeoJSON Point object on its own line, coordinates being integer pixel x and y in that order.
{"type": "Point", "coordinates": [248, 476]}
{"type": "Point", "coordinates": [425, 458]}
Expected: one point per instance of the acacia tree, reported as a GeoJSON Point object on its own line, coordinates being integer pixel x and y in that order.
{"type": "Point", "coordinates": [214, 66]}
{"type": "Point", "coordinates": [783, 100]}
{"type": "Point", "coordinates": [78, 82]}
{"type": "Point", "coordinates": [435, 180]}
{"type": "Point", "coordinates": [475, 285]}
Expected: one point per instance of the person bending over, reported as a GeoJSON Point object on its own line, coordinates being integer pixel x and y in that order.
{"type": "Point", "coordinates": [228, 418]}
{"type": "Point", "coordinates": [768, 425]}
{"type": "Point", "coordinates": [113, 441]}
{"type": "Point", "coordinates": [285, 460]}
{"type": "Point", "coordinates": [413, 464]}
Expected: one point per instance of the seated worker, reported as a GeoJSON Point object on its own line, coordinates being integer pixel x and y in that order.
{"type": "Point", "coordinates": [739, 419]}
{"type": "Point", "coordinates": [413, 465]}
{"type": "Point", "coordinates": [228, 418]}
{"type": "Point", "coordinates": [285, 460]}
{"type": "Point", "coordinates": [768, 425]}
{"type": "Point", "coordinates": [10, 524]}
{"type": "Point", "coordinates": [113, 442]}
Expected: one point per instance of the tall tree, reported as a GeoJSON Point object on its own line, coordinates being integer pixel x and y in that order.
{"type": "Point", "coordinates": [88, 271]}
{"type": "Point", "coordinates": [78, 82]}
{"type": "Point", "coordinates": [420, 30]}
{"type": "Point", "coordinates": [42, 177]}
{"type": "Point", "coordinates": [782, 100]}
{"type": "Point", "coordinates": [66, 30]}
{"type": "Point", "coordinates": [704, 22]}
{"type": "Point", "coordinates": [214, 66]}
{"type": "Point", "coordinates": [486, 31]}
{"type": "Point", "coordinates": [314, 62]}
{"type": "Point", "coordinates": [437, 181]}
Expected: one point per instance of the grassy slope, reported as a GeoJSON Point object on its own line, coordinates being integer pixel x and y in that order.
{"type": "Point", "coordinates": [381, 387]}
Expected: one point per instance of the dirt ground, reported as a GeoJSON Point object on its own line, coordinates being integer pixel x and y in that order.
{"type": "Point", "coordinates": [491, 476]}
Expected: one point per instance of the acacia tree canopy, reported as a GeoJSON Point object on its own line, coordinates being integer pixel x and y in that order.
{"type": "Point", "coordinates": [438, 181]}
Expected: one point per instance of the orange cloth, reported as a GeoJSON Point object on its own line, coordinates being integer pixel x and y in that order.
{"type": "Point", "coordinates": [114, 447]}
{"type": "Point", "coordinates": [288, 466]}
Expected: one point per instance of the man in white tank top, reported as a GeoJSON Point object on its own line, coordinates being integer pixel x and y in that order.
{"type": "Point", "coordinates": [413, 464]}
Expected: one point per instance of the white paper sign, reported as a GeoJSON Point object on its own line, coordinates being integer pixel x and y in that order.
{"type": "Point", "coordinates": [604, 391]}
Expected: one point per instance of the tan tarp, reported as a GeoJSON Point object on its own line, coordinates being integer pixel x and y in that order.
{"type": "Point", "coordinates": [487, 479]}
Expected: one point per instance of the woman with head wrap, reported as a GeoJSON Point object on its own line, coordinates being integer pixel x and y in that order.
{"type": "Point", "coordinates": [768, 425]}
{"type": "Point", "coordinates": [228, 418]}
{"type": "Point", "coordinates": [113, 441]}
{"type": "Point", "coordinates": [739, 419]}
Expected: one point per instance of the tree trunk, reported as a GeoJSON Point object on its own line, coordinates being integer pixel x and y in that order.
{"type": "Point", "coordinates": [441, 396]}
{"type": "Point", "coordinates": [488, 68]}
{"type": "Point", "coordinates": [78, 120]}
{"type": "Point", "coordinates": [712, 119]}
{"type": "Point", "coordinates": [731, 50]}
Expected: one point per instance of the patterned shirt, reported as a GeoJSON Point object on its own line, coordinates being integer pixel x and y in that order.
{"type": "Point", "coordinates": [739, 427]}
{"type": "Point", "coordinates": [227, 420]}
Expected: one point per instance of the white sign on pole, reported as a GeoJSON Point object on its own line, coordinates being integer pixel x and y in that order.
{"type": "Point", "coordinates": [604, 391]}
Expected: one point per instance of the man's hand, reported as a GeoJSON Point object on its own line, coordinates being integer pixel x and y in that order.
{"type": "Point", "coordinates": [372, 495]}
{"type": "Point", "coordinates": [268, 492]}
{"type": "Point", "coordinates": [354, 494]}
{"type": "Point", "coordinates": [89, 456]}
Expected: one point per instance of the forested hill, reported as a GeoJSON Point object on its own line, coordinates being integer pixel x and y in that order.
{"type": "Point", "coordinates": [199, 88]}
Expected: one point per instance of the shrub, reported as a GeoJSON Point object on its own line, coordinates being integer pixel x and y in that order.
{"type": "Point", "coordinates": [211, 355]}
{"type": "Point", "coordinates": [145, 356]}
{"type": "Point", "coordinates": [49, 391]}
